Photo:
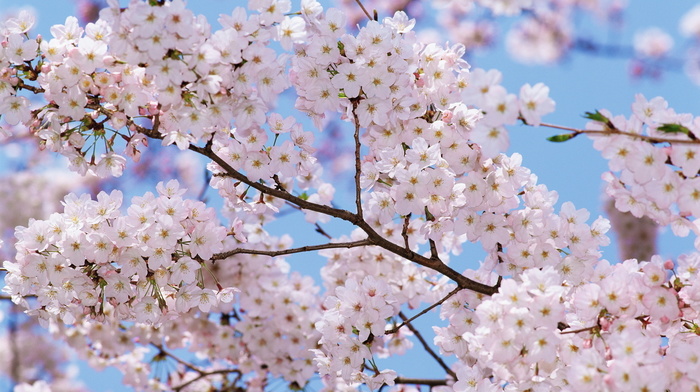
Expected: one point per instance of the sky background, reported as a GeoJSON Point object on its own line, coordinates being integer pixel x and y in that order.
{"type": "Point", "coordinates": [578, 84]}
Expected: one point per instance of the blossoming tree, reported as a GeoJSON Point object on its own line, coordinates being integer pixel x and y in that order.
{"type": "Point", "coordinates": [137, 282]}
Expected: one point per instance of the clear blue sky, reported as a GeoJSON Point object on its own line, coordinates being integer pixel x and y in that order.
{"type": "Point", "coordinates": [579, 84]}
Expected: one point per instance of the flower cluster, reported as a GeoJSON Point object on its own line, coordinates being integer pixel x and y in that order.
{"type": "Point", "coordinates": [542, 332]}
{"type": "Point", "coordinates": [654, 162]}
{"type": "Point", "coordinates": [429, 177]}
{"type": "Point", "coordinates": [352, 320]}
{"type": "Point", "coordinates": [143, 263]}
{"type": "Point", "coordinates": [144, 60]}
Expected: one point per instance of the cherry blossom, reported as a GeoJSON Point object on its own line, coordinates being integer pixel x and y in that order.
{"type": "Point", "coordinates": [134, 284]}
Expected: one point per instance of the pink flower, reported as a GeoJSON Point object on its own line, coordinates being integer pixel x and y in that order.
{"type": "Point", "coordinates": [535, 102]}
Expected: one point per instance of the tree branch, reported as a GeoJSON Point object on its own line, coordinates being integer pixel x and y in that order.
{"type": "Point", "coordinates": [420, 381]}
{"type": "Point", "coordinates": [9, 297]}
{"type": "Point", "coordinates": [427, 347]}
{"type": "Point", "coordinates": [615, 131]}
{"type": "Point", "coordinates": [596, 48]}
{"type": "Point", "coordinates": [404, 230]}
{"type": "Point", "coordinates": [358, 163]}
{"type": "Point", "coordinates": [201, 373]}
{"type": "Point", "coordinates": [164, 352]}
{"type": "Point", "coordinates": [302, 249]}
{"type": "Point", "coordinates": [424, 311]}
{"type": "Point", "coordinates": [204, 375]}
{"type": "Point", "coordinates": [363, 9]}
{"type": "Point", "coordinates": [372, 236]}
{"type": "Point", "coordinates": [433, 250]}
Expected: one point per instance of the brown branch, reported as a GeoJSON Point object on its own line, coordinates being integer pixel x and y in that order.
{"type": "Point", "coordinates": [302, 249]}
{"type": "Point", "coordinates": [320, 230]}
{"type": "Point", "coordinates": [372, 236]}
{"type": "Point", "coordinates": [204, 375]}
{"type": "Point", "coordinates": [427, 347]}
{"type": "Point", "coordinates": [579, 330]}
{"type": "Point", "coordinates": [33, 89]}
{"type": "Point", "coordinates": [163, 351]}
{"type": "Point", "coordinates": [597, 48]}
{"type": "Point", "coordinates": [358, 157]}
{"type": "Point", "coordinates": [9, 297]}
{"type": "Point", "coordinates": [363, 9]}
{"type": "Point", "coordinates": [404, 230]}
{"type": "Point", "coordinates": [424, 311]}
{"type": "Point", "coordinates": [201, 373]}
{"type": "Point", "coordinates": [420, 381]}
{"type": "Point", "coordinates": [433, 250]}
{"type": "Point", "coordinates": [608, 132]}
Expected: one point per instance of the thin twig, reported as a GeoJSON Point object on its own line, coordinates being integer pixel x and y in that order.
{"type": "Point", "coordinates": [427, 347]}
{"type": "Point", "coordinates": [597, 48]}
{"type": "Point", "coordinates": [608, 132]}
{"type": "Point", "coordinates": [353, 218]}
{"type": "Point", "coordinates": [579, 330]}
{"type": "Point", "coordinates": [9, 298]}
{"type": "Point", "coordinates": [433, 250]}
{"type": "Point", "coordinates": [320, 230]}
{"type": "Point", "coordinates": [363, 9]}
{"type": "Point", "coordinates": [302, 249]}
{"type": "Point", "coordinates": [424, 311]}
{"type": "Point", "coordinates": [404, 230]}
{"type": "Point", "coordinates": [203, 375]}
{"type": "Point", "coordinates": [177, 359]}
{"type": "Point", "coordinates": [420, 381]}
{"type": "Point", "coordinates": [207, 178]}
{"type": "Point", "coordinates": [358, 157]}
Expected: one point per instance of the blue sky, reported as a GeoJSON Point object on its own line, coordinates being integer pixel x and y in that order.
{"type": "Point", "coordinates": [580, 83]}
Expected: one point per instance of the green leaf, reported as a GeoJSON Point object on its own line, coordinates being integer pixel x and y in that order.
{"type": "Point", "coordinates": [562, 138]}
{"type": "Point", "coordinates": [597, 116]}
{"type": "Point", "coordinates": [674, 128]}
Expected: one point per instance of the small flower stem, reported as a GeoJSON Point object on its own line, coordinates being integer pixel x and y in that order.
{"type": "Point", "coordinates": [424, 311]}
{"type": "Point", "coordinates": [427, 347]}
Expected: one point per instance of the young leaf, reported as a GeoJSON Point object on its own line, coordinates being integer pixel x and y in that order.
{"type": "Point", "coordinates": [562, 138]}
{"type": "Point", "coordinates": [674, 128]}
{"type": "Point", "coordinates": [597, 116]}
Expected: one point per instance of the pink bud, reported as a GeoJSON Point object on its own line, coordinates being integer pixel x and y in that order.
{"type": "Point", "coordinates": [608, 380]}
{"type": "Point", "coordinates": [74, 53]}
{"type": "Point", "coordinates": [668, 264]}
{"type": "Point", "coordinates": [153, 108]}
{"type": "Point", "coordinates": [447, 116]}
{"type": "Point", "coordinates": [420, 83]}
{"type": "Point", "coordinates": [587, 343]}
